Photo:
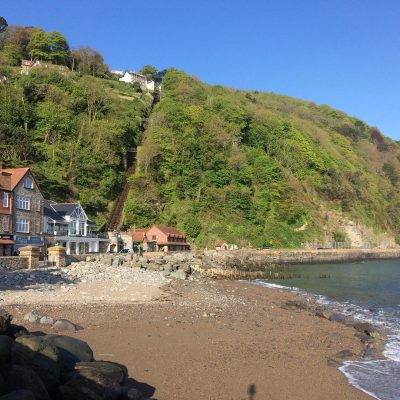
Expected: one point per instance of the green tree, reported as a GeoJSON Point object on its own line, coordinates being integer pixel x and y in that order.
{"type": "Point", "coordinates": [88, 61]}
{"type": "Point", "coordinates": [149, 72]}
{"type": "Point", "coordinates": [3, 24]}
{"type": "Point", "coordinates": [39, 46]}
{"type": "Point", "coordinates": [59, 49]}
{"type": "Point", "coordinates": [12, 54]}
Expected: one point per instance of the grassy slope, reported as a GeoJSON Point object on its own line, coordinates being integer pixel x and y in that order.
{"type": "Point", "coordinates": [259, 168]}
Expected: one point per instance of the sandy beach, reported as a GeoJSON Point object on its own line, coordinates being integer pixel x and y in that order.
{"type": "Point", "coordinates": [206, 339]}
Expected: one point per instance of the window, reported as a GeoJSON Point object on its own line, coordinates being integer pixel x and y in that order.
{"type": "Point", "coordinates": [154, 237]}
{"type": "Point", "coordinates": [38, 205]}
{"type": "Point", "coordinates": [6, 223]}
{"type": "Point", "coordinates": [5, 199]}
{"type": "Point", "coordinates": [28, 183]}
{"type": "Point", "coordinates": [37, 226]}
{"type": "Point", "coordinates": [23, 203]}
{"type": "Point", "coordinates": [82, 228]}
{"type": "Point", "coordinates": [22, 225]}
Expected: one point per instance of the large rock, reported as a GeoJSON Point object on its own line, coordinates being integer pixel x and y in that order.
{"type": "Point", "coordinates": [33, 317]}
{"type": "Point", "coordinates": [94, 387]}
{"type": "Point", "coordinates": [5, 348]}
{"type": "Point", "coordinates": [131, 394]}
{"type": "Point", "coordinates": [41, 356]}
{"type": "Point", "coordinates": [23, 377]}
{"type": "Point", "coordinates": [5, 320]}
{"type": "Point", "coordinates": [19, 395]}
{"type": "Point", "coordinates": [70, 351]}
{"type": "Point", "coordinates": [15, 331]}
{"type": "Point", "coordinates": [65, 325]}
{"type": "Point", "coordinates": [112, 371]}
{"type": "Point", "coordinates": [179, 274]}
{"type": "Point", "coordinates": [340, 318]}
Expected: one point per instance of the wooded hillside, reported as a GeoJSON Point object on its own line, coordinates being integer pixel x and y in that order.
{"type": "Point", "coordinates": [260, 169]}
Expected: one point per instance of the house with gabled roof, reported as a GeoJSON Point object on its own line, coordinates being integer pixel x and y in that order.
{"type": "Point", "coordinates": [67, 225]}
{"type": "Point", "coordinates": [159, 238]}
{"type": "Point", "coordinates": [26, 208]}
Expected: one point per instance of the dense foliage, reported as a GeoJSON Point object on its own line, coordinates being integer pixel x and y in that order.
{"type": "Point", "coordinates": [259, 169]}
{"type": "Point", "coordinates": [72, 128]}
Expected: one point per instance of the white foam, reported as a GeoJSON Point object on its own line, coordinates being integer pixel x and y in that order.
{"type": "Point", "coordinates": [392, 348]}
{"type": "Point", "coordinates": [376, 378]}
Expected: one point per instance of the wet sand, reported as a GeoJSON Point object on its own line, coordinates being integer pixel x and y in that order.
{"type": "Point", "coordinates": [213, 340]}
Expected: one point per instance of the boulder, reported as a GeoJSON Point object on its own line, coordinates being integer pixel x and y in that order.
{"type": "Point", "coordinates": [5, 320]}
{"type": "Point", "coordinates": [185, 268]}
{"type": "Point", "coordinates": [131, 394]}
{"type": "Point", "coordinates": [321, 313]}
{"type": "Point", "coordinates": [19, 395]}
{"type": "Point", "coordinates": [364, 327]}
{"type": "Point", "coordinates": [41, 356]}
{"type": "Point", "coordinates": [70, 351]}
{"type": "Point", "coordinates": [46, 320]}
{"type": "Point", "coordinates": [179, 274]}
{"type": "Point", "coordinates": [95, 387]}
{"type": "Point", "coordinates": [5, 348]}
{"type": "Point", "coordinates": [112, 371]}
{"type": "Point", "coordinates": [15, 331]}
{"type": "Point", "coordinates": [65, 325]}
{"type": "Point", "coordinates": [33, 317]}
{"type": "Point", "coordinates": [23, 377]}
{"type": "Point", "coordinates": [344, 354]}
{"type": "Point", "coordinates": [336, 317]}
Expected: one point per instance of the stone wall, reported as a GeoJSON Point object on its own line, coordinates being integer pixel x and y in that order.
{"type": "Point", "coordinates": [13, 263]}
{"type": "Point", "coordinates": [236, 264]}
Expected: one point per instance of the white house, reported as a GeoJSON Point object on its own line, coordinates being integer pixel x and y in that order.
{"type": "Point", "coordinates": [132, 77]}
{"type": "Point", "coordinates": [67, 225]}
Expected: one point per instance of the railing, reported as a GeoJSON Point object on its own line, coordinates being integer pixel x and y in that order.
{"type": "Point", "coordinates": [67, 234]}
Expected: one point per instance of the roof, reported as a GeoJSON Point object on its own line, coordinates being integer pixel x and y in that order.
{"type": "Point", "coordinates": [138, 234]}
{"type": "Point", "coordinates": [50, 212]}
{"type": "Point", "coordinates": [168, 230]}
{"type": "Point", "coordinates": [173, 244]}
{"type": "Point", "coordinates": [64, 209]}
{"type": "Point", "coordinates": [16, 175]}
{"type": "Point", "coordinates": [5, 181]}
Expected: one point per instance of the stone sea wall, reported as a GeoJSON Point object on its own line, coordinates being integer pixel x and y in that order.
{"type": "Point", "coordinates": [13, 263]}
{"type": "Point", "coordinates": [238, 264]}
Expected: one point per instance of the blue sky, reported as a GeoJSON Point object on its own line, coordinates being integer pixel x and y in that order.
{"type": "Point", "coordinates": [345, 53]}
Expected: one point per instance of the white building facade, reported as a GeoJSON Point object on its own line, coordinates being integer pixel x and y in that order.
{"type": "Point", "coordinates": [67, 225]}
{"type": "Point", "coordinates": [132, 77]}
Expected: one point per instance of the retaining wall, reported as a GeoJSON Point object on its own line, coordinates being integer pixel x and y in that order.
{"type": "Point", "coordinates": [13, 263]}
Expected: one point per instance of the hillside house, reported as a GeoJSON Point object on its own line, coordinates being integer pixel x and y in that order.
{"type": "Point", "coordinates": [27, 65]}
{"type": "Point", "coordinates": [132, 77]}
{"type": "Point", "coordinates": [26, 208]}
{"type": "Point", "coordinates": [67, 225]}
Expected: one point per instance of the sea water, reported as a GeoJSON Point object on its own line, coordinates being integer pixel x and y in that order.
{"type": "Point", "coordinates": [367, 291]}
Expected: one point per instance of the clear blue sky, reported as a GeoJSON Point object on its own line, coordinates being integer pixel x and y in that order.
{"type": "Point", "coordinates": [345, 53]}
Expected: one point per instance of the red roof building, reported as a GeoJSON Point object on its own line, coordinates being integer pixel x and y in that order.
{"type": "Point", "coordinates": [159, 238]}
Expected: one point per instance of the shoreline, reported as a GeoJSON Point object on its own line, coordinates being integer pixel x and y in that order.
{"type": "Point", "coordinates": [212, 339]}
